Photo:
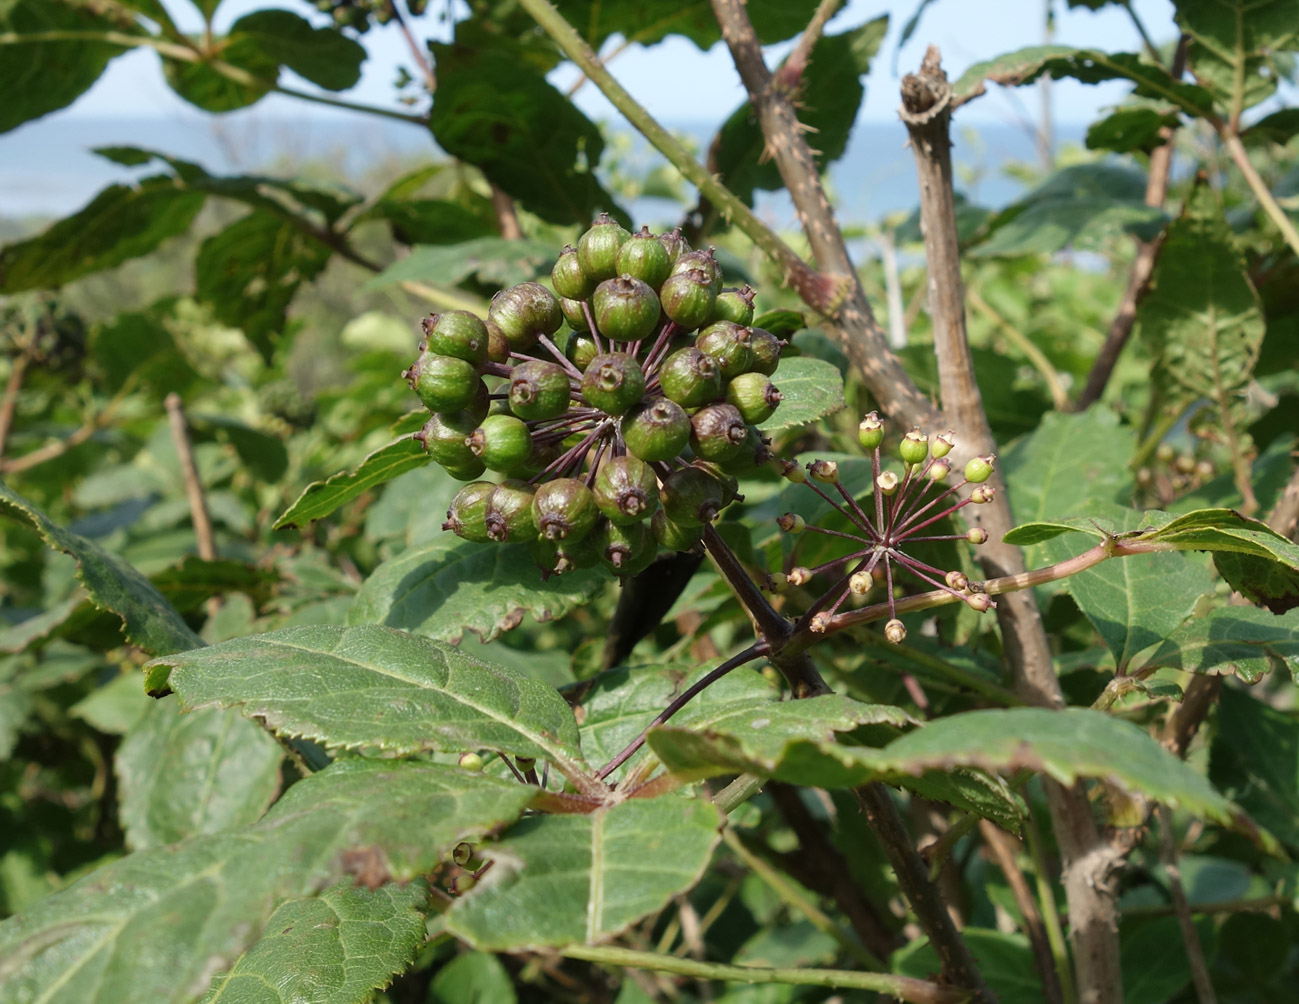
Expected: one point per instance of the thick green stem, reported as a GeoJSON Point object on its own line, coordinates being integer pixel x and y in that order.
{"type": "Point", "coordinates": [901, 987]}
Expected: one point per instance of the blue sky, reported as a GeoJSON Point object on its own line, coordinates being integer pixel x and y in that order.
{"type": "Point", "coordinates": [965, 30]}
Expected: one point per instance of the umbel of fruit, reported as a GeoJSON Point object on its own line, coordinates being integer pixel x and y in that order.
{"type": "Point", "coordinates": [614, 406]}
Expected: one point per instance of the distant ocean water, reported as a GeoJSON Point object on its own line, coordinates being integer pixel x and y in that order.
{"type": "Point", "coordinates": [47, 168]}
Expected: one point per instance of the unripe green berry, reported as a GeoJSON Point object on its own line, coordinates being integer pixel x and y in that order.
{"type": "Point", "coordinates": [690, 378]}
{"type": "Point", "coordinates": [728, 344]}
{"type": "Point", "coordinates": [691, 497]}
{"type": "Point", "coordinates": [463, 852]}
{"type": "Point", "coordinates": [471, 762]}
{"type": "Point", "coordinates": [580, 350]}
{"type": "Point", "coordinates": [624, 550]}
{"type": "Point", "coordinates": [979, 602]}
{"type": "Point", "coordinates": [574, 314]}
{"type": "Point", "coordinates": [729, 482]}
{"type": "Point", "coordinates": [791, 522]}
{"type": "Point", "coordinates": [825, 471]}
{"type": "Point", "coordinates": [443, 437]}
{"type": "Point", "coordinates": [614, 383]}
{"type": "Point", "coordinates": [502, 442]}
{"type": "Point", "coordinates": [657, 430]}
{"type": "Point", "coordinates": [718, 432]}
{"type": "Point", "coordinates": [673, 535]}
{"type": "Point", "coordinates": [443, 383]}
{"type": "Point", "coordinates": [766, 349]}
{"type": "Point", "coordinates": [539, 390]}
{"type": "Point", "coordinates": [791, 472]}
{"type": "Point", "coordinates": [457, 333]}
{"type": "Point", "coordinates": [870, 433]}
{"type": "Point", "coordinates": [977, 535]}
{"type": "Point", "coordinates": [462, 883]}
{"type": "Point", "coordinates": [597, 249]}
{"type": "Point", "coordinates": [525, 312]}
{"type": "Point", "coordinates": [568, 277]}
{"type": "Point", "coordinates": [940, 445]}
{"type": "Point", "coordinates": [735, 305]}
{"type": "Point", "coordinates": [643, 257]}
{"type": "Point", "coordinates": [467, 514]}
{"type": "Point", "coordinates": [703, 261]}
{"type": "Point", "coordinates": [625, 309]}
{"type": "Point", "coordinates": [674, 244]}
{"type": "Point", "coordinates": [914, 447]}
{"type": "Point", "coordinates": [979, 469]}
{"type": "Point", "coordinates": [754, 395]}
{"type": "Point", "coordinates": [498, 346]}
{"type": "Point", "coordinates": [983, 494]}
{"type": "Point", "coordinates": [626, 490]}
{"type": "Point", "coordinates": [558, 557]}
{"type": "Point", "coordinates": [939, 470]}
{"type": "Point", "coordinates": [687, 298]}
{"type": "Point", "coordinates": [509, 511]}
{"type": "Point", "coordinates": [777, 582]}
{"type": "Point", "coordinates": [564, 509]}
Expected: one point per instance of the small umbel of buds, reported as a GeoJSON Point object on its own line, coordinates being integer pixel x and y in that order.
{"type": "Point", "coordinates": [883, 529]}
{"type": "Point", "coordinates": [616, 406]}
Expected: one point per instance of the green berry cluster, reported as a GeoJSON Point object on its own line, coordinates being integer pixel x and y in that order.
{"type": "Point", "coordinates": [618, 408]}
{"type": "Point", "coordinates": [357, 14]}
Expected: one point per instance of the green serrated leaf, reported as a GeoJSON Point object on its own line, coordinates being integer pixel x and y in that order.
{"type": "Point", "coordinates": [1065, 745]}
{"type": "Point", "coordinates": [562, 880]}
{"type": "Point", "coordinates": [1235, 44]}
{"type": "Point", "coordinates": [373, 688]}
{"type": "Point", "coordinates": [251, 270]}
{"type": "Point", "coordinates": [503, 116]}
{"type": "Point", "coordinates": [37, 78]}
{"type": "Point", "coordinates": [153, 927]}
{"type": "Point", "coordinates": [1201, 318]}
{"type": "Point", "coordinates": [1129, 129]}
{"type": "Point", "coordinates": [335, 948]}
{"type": "Point", "coordinates": [1089, 66]}
{"type": "Point", "coordinates": [120, 223]}
{"type": "Point", "coordinates": [320, 498]}
{"type": "Point", "coordinates": [1239, 640]}
{"type": "Point", "coordinates": [449, 586]}
{"type": "Point", "coordinates": [432, 221]}
{"type": "Point", "coordinates": [493, 261]}
{"type": "Point", "coordinates": [472, 978]}
{"type": "Point", "coordinates": [182, 776]}
{"type": "Point", "coordinates": [148, 620]}
{"type": "Point", "coordinates": [1133, 603]}
{"type": "Point", "coordinates": [1255, 759]}
{"type": "Point", "coordinates": [809, 388]}
{"type": "Point", "coordinates": [830, 92]}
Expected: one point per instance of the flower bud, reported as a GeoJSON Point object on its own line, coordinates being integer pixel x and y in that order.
{"type": "Point", "coordinates": [643, 257]}
{"type": "Point", "coordinates": [718, 432]}
{"type": "Point", "coordinates": [502, 442]}
{"type": "Point", "coordinates": [626, 490]}
{"type": "Point", "coordinates": [870, 432]}
{"type": "Point", "coordinates": [597, 249]}
{"type": "Point", "coordinates": [614, 383]}
{"type": "Point", "coordinates": [569, 278]}
{"type": "Point", "coordinates": [457, 333]}
{"type": "Point", "coordinates": [887, 482]}
{"type": "Point", "coordinates": [539, 390]}
{"type": "Point", "coordinates": [690, 378]}
{"type": "Point", "coordinates": [825, 471]}
{"type": "Point", "coordinates": [979, 469]}
{"type": "Point", "coordinates": [625, 309]}
{"type": "Point", "coordinates": [564, 509]}
{"type": "Point", "coordinates": [940, 445]}
{"type": "Point", "coordinates": [861, 583]}
{"type": "Point", "coordinates": [914, 447]}
{"type": "Point", "coordinates": [524, 312]}
{"type": "Point", "coordinates": [895, 631]}
{"type": "Point", "coordinates": [983, 494]}
{"type": "Point", "coordinates": [977, 535]}
{"type": "Point", "coordinates": [509, 511]}
{"type": "Point", "coordinates": [957, 580]}
{"type": "Point", "coordinates": [656, 431]}
{"type": "Point", "coordinates": [820, 623]}
{"type": "Point", "coordinates": [980, 602]}
{"type": "Point", "coordinates": [799, 576]}
{"type": "Point", "coordinates": [466, 516]}
{"type": "Point", "coordinates": [791, 522]}
{"type": "Point", "coordinates": [754, 396]}
{"type": "Point", "coordinates": [471, 762]}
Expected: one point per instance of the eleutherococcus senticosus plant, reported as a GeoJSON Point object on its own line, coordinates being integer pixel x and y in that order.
{"type": "Point", "coordinates": [618, 407]}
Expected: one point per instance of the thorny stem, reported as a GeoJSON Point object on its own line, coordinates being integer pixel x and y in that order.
{"type": "Point", "coordinates": [902, 987]}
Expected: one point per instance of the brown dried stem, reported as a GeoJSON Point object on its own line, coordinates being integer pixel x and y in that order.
{"type": "Point", "coordinates": [9, 403]}
{"type": "Point", "coordinates": [198, 510]}
{"type": "Point", "coordinates": [1190, 937]}
{"type": "Point", "coordinates": [926, 112]}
